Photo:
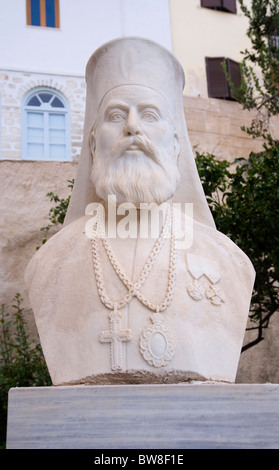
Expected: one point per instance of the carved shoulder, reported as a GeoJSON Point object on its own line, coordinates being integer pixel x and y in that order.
{"type": "Point", "coordinates": [223, 247]}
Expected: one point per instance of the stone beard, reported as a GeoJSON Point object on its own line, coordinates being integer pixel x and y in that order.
{"type": "Point", "coordinates": [135, 148]}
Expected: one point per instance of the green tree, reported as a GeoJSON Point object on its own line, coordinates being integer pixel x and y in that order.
{"type": "Point", "coordinates": [246, 208]}
{"type": "Point", "coordinates": [259, 90]}
{"type": "Point", "coordinates": [244, 199]}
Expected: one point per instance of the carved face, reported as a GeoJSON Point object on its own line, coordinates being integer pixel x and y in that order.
{"type": "Point", "coordinates": [134, 138]}
{"type": "Point", "coordinates": [131, 112]}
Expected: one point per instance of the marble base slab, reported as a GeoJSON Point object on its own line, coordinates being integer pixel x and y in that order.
{"type": "Point", "coordinates": [180, 416]}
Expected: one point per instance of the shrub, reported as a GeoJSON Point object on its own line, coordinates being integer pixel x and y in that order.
{"type": "Point", "coordinates": [244, 199]}
{"type": "Point", "coordinates": [22, 363]}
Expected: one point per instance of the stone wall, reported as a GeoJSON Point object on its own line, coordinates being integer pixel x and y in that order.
{"type": "Point", "coordinates": [259, 364]}
{"type": "Point", "coordinates": [24, 210]}
{"type": "Point", "coordinates": [214, 126]}
{"type": "Point", "coordinates": [13, 87]}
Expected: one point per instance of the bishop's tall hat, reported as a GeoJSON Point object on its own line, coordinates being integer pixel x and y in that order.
{"type": "Point", "coordinates": [127, 62]}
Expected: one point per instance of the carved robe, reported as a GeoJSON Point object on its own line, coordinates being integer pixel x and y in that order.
{"type": "Point", "coordinates": [201, 331]}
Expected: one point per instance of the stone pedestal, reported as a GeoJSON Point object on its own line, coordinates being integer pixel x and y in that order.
{"type": "Point", "coordinates": [182, 416]}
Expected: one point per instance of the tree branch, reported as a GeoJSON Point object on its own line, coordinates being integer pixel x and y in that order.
{"type": "Point", "coordinates": [270, 98]}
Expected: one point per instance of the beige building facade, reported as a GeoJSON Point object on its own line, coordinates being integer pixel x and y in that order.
{"type": "Point", "coordinates": [199, 32]}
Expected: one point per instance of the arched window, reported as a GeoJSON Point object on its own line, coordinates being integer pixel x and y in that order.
{"type": "Point", "coordinates": [45, 126]}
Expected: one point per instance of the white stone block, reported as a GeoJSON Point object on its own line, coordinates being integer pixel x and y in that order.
{"type": "Point", "coordinates": [181, 416]}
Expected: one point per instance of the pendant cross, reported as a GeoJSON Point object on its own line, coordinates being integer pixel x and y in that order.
{"type": "Point", "coordinates": [115, 336]}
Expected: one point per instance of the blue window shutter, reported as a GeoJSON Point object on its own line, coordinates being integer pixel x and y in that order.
{"type": "Point", "coordinates": [35, 12]}
{"type": "Point", "coordinates": [50, 13]}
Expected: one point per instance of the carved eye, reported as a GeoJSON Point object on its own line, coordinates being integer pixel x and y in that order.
{"type": "Point", "coordinates": [149, 116]}
{"type": "Point", "coordinates": [117, 117]}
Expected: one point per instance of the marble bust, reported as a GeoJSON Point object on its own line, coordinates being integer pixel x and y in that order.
{"type": "Point", "coordinates": [115, 301]}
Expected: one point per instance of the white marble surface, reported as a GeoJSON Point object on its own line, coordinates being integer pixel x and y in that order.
{"type": "Point", "coordinates": [182, 416]}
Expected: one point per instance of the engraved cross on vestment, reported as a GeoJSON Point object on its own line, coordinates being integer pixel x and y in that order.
{"type": "Point", "coordinates": [115, 336]}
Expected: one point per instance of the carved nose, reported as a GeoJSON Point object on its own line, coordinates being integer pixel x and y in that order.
{"type": "Point", "coordinates": [132, 126]}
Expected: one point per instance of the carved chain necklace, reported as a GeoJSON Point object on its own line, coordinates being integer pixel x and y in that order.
{"type": "Point", "coordinates": [157, 344]}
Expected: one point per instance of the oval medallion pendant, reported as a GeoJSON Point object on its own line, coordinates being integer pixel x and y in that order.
{"type": "Point", "coordinates": [157, 344]}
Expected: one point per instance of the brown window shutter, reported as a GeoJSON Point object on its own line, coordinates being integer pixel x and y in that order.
{"type": "Point", "coordinates": [229, 5]}
{"type": "Point", "coordinates": [234, 73]}
{"type": "Point", "coordinates": [216, 79]}
{"type": "Point", "coordinates": [211, 3]}
{"type": "Point", "coordinates": [223, 5]}
{"type": "Point", "coordinates": [57, 14]}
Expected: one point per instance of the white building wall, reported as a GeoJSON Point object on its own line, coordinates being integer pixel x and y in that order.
{"type": "Point", "coordinates": [33, 56]}
{"type": "Point", "coordinates": [84, 26]}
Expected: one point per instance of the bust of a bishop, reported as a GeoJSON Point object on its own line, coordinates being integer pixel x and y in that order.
{"type": "Point", "coordinates": [138, 286]}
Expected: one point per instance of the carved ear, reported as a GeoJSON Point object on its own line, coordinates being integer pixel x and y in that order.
{"type": "Point", "coordinates": [176, 145]}
{"type": "Point", "coordinates": [92, 143]}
